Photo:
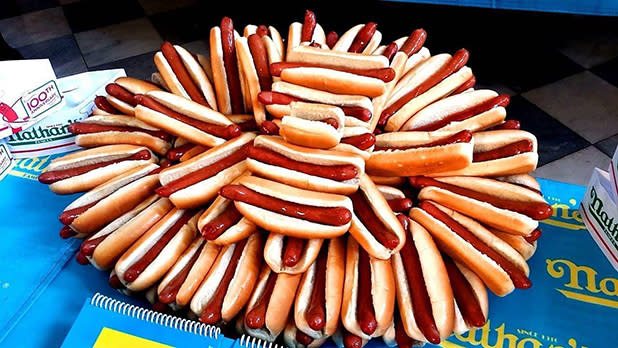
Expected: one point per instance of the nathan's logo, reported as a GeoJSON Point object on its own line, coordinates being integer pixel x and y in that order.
{"type": "Point", "coordinates": [566, 216]}
{"type": "Point", "coordinates": [589, 288]}
{"type": "Point", "coordinates": [42, 134]}
{"type": "Point", "coordinates": [487, 337]}
{"type": "Point", "coordinates": [602, 218]}
{"type": "Point", "coordinates": [30, 168]}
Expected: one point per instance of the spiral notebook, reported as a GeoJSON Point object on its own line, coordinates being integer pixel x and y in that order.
{"type": "Point", "coordinates": [104, 322]}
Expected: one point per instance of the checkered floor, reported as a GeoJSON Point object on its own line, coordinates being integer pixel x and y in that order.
{"type": "Point", "coordinates": [562, 70]}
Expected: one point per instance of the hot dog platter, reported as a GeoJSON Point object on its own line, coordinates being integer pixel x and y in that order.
{"type": "Point", "coordinates": [307, 188]}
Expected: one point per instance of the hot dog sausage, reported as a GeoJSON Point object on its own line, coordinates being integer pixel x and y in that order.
{"type": "Point", "coordinates": [361, 142]}
{"type": "Point", "coordinates": [256, 317]}
{"type": "Point", "coordinates": [292, 250]}
{"type": "Point", "coordinates": [269, 128]}
{"type": "Point", "coordinates": [363, 37]}
{"type": "Point", "coordinates": [534, 236]}
{"type": "Point", "coordinates": [400, 205]}
{"type": "Point", "coordinates": [505, 151]}
{"type": "Point", "coordinates": [535, 210]}
{"type": "Point", "coordinates": [364, 300]}
{"type": "Point", "coordinates": [331, 38]}
{"type": "Point", "coordinates": [414, 42]}
{"type": "Point", "coordinates": [215, 227]}
{"type": "Point", "coordinates": [334, 172]}
{"type": "Point", "coordinates": [177, 152]}
{"type": "Point", "coordinates": [334, 216]}
{"type": "Point", "coordinates": [316, 312]}
{"type": "Point", "coordinates": [467, 85]}
{"type": "Point", "coordinates": [86, 128]}
{"type": "Point", "coordinates": [169, 292]}
{"type": "Point", "coordinates": [115, 90]}
{"type": "Point", "coordinates": [465, 297]}
{"type": "Point", "coordinates": [67, 216]}
{"type": "Point", "coordinates": [178, 67]}
{"type": "Point", "coordinates": [231, 67]}
{"type": "Point", "coordinates": [104, 105]}
{"type": "Point", "coordinates": [369, 218]}
{"type": "Point", "coordinates": [260, 60]}
{"type": "Point", "coordinates": [390, 50]}
{"type": "Point", "coordinates": [309, 25]}
{"type": "Point", "coordinates": [384, 74]}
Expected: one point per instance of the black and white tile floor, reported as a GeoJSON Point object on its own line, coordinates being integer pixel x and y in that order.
{"type": "Point", "coordinates": [561, 70]}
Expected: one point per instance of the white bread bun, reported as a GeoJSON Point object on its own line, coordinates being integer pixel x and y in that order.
{"type": "Point", "coordinates": [437, 286]}
{"type": "Point", "coordinates": [334, 81]}
{"type": "Point", "coordinates": [134, 86]}
{"type": "Point", "coordinates": [219, 76]}
{"type": "Point", "coordinates": [155, 144]}
{"type": "Point", "coordinates": [382, 290]}
{"type": "Point", "coordinates": [98, 176]}
{"type": "Point", "coordinates": [519, 243]}
{"type": "Point", "coordinates": [374, 198]}
{"type": "Point", "coordinates": [314, 55]}
{"type": "Point", "coordinates": [335, 271]}
{"type": "Point", "coordinates": [346, 40]}
{"type": "Point", "coordinates": [279, 304]}
{"type": "Point", "coordinates": [294, 37]}
{"type": "Point", "coordinates": [156, 269]}
{"type": "Point", "coordinates": [479, 289]}
{"type": "Point", "coordinates": [289, 338]}
{"type": "Point", "coordinates": [287, 225]}
{"type": "Point", "coordinates": [273, 252]}
{"type": "Point", "coordinates": [301, 128]}
{"type": "Point", "coordinates": [306, 155]}
{"type": "Point", "coordinates": [121, 238]}
{"type": "Point", "coordinates": [417, 161]}
{"type": "Point", "coordinates": [241, 285]}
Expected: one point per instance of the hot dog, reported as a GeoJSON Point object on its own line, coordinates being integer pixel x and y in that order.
{"type": "Point", "coordinates": [104, 247]}
{"type": "Point", "coordinates": [504, 206]}
{"type": "Point", "coordinates": [357, 108]}
{"type": "Point", "coordinates": [181, 282]}
{"type": "Point", "coordinates": [524, 247]}
{"type": "Point", "coordinates": [424, 294]}
{"type": "Point", "coordinates": [374, 226]}
{"type": "Point", "coordinates": [197, 180]}
{"type": "Point", "coordinates": [147, 260]}
{"type": "Point", "coordinates": [288, 210]}
{"type": "Point", "coordinates": [86, 169]}
{"type": "Point", "coordinates": [499, 153]}
{"type": "Point", "coordinates": [396, 199]}
{"type": "Point", "coordinates": [474, 111]}
{"type": "Point", "coordinates": [270, 32]}
{"type": "Point", "coordinates": [222, 224]}
{"type": "Point", "coordinates": [294, 338]}
{"type": "Point", "coordinates": [418, 153]}
{"type": "Point", "coordinates": [500, 267]}
{"type": "Point", "coordinates": [185, 118]}
{"type": "Point", "coordinates": [307, 32]}
{"type": "Point", "coordinates": [429, 81]}
{"type": "Point", "coordinates": [246, 122]}
{"type": "Point", "coordinates": [184, 76]}
{"type": "Point", "coordinates": [362, 38]}
{"type": "Point", "coordinates": [306, 168]}
{"type": "Point", "coordinates": [224, 63]}
{"type": "Point", "coordinates": [103, 107]}
{"type": "Point", "coordinates": [290, 254]}
{"type": "Point", "coordinates": [270, 304]}
{"type": "Point", "coordinates": [471, 306]}
{"type": "Point", "coordinates": [255, 54]}
{"type": "Point", "coordinates": [344, 74]}
{"type": "Point", "coordinates": [313, 125]}
{"type": "Point", "coordinates": [120, 93]}
{"type": "Point", "coordinates": [112, 129]}
{"type": "Point", "coordinates": [368, 294]}
{"type": "Point", "coordinates": [108, 201]}
{"type": "Point", "coordinates": [227, 287]}
{"type": "Point", "coordinates": [318, 301]}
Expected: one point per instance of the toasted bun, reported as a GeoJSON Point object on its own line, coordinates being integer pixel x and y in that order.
{"type": "Point", "coordinates": [335, 269]}
{"type": "Point", "coordinates": [165, 259]}
{"type": "Point", "coordinates": [240, 286]}
{"type": "Point", "coordinates": [436, 282]}
{"type": "Point", "coordinates": [380, 207]}
{"type": "Point", "coordinates": [287, 225]}
{"type": "Point", "coordinates": [306, 155]}
{"type": "Point", "coordinates": [382, 291]}
{"type": "Point", "coordinates": [237, 232]}
{"type": "Point", "coordinates": [96, 176]}
{"type": "Point", "coordinates": [417, 161]}
{"type": "Point", "coordinates": [279, 305]}
{"type": "Point", "coordinates": [273, 252]}
{"type": "Point", "coordinates": [489, 271]}
{"type": "Point", "coordinates": [120, 239]}
{"type": "Point", "coordinates": [155, 144]}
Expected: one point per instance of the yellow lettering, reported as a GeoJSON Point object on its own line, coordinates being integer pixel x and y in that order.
{"type": "Point", "coordinates": [577, 216]}
{"type": "Point", "coordinates": [500, 340]}
{"type": "Point", "coordinates": [39, 167]}
{"type": "Point", "coordinates": [470, 336]}
{"type": "Point", "coordinates": [533, 343]}
{"type": "Point", "coordinates": [562, 208]}
{"type": "Point", "coordinates": [555, 270]}
{"type": "Point", "coordinates": [28, 163]}
{"type": "Point", "coordinates": [605, 288]}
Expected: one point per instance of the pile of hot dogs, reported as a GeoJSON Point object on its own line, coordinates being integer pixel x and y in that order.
{"type": "Point", "coordinates": [323, 187]}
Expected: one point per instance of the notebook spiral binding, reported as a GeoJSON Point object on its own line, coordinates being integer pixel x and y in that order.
{"type": "Point", "coordinates": [253, 342]}
{"type": "Point", "coordinates": [167, 320]}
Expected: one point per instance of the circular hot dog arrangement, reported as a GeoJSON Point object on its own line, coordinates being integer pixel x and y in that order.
{"type": "Point", "coordinates": [305, 188]}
